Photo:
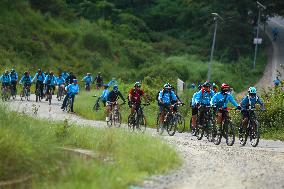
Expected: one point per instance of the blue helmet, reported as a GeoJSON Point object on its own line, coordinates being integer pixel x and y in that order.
{"type": "Point", "coordinates": [252, 90]}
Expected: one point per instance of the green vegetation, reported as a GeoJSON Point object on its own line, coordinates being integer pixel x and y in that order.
{"type": "Point", "coordinates": [31, 146]}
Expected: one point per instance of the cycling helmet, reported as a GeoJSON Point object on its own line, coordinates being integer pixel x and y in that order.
{"type": "Point", "coordinates": [99, 73]}
{"type": "Point", "coordinates": [206, 84]}
{"type": "Point", "coordinates": [225, 87]}
{"type": "Point", "coordinates": [51, 73]}
{"type": "Point", "coordinates": [12, 70]}
{"type": "Point", "coordinates": [88, 74]}
{"type": "Point", "coordinates": [6, 72]}
{"type": "Point", "coordinates": [137, 84]}
{"type": "Point", "coordinates": [26, 73]}
{"type": "Point", "coordinates": [106, 86]}
{"type": "Point", "coordinates": [167, 86]}
{"type": "Point", "coordinates": [39, 70]}
{"type": "Point", "coordinates": [115, 88]}
{"type": "Point", "coordinates": [252, 90]}
{"type": "Point", "coordinates": [60, 75]}
{"type": "Point", "coordinates": [75, 81]}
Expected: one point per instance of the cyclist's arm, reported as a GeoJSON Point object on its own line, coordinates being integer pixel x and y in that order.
{"type": "Point", "coordinates": [160, 98]}
{"type": "Point", "coordinates": [213, 100]}
{"type": "Point", "coordinates": [34, 77]}
{"type": "Point", "coordinates": [120, 95]}
{"type": "Point", "coordinates": [233, 101]}
{"type": "Point", "coordinates": [259, 101]}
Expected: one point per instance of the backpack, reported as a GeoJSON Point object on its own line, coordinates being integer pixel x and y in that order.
{"type": "Point", "coordinates": [48, 82]}
{"type": "Point", "coordinates": [157, 96]}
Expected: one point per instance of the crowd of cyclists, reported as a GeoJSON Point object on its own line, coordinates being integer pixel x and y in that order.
{"type": "Point", "coordinates": [207, 95]}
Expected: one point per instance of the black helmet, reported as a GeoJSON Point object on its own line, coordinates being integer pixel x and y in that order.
{"type": "Point", "coordinates": [206, 84]}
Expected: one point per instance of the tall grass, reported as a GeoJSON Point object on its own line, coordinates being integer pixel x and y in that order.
{"type": "Point", "coordinates": [30, 146]}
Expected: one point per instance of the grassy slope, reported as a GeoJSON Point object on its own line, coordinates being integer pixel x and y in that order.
{"type": "Point", "coordinates": [29, 146]}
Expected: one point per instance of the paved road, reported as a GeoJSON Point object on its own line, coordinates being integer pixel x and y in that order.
{"type": "Point", "coordinates": [205, 165]}
{"type": "Point", "coordinates": [278, 47]}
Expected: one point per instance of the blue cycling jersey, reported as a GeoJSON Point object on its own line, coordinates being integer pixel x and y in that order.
{"type": "Point", "coordinates": [60, 80]}
{"type": "Point", "coordinates": [193, 100]}
{"type": "Point", "coordinates": [39, 77]}
{"type": "Point", "coordinates": [250, 102]}
{"type": "Point", "coordinates": [221, 100]}
{"type": "Point", "coordinates": [167, 96]}
{"type": "Point", "coordinates": [50, 80]}
{"type": "Point", "coordinates": [203, 97]}
{"type": "Point", "coordinates": [14, 76]}
{"type": "Point", "coordinates": [26, 80]}
{"type": "Point", "coordinates": [88, 79]}
{"type": "Point", "coordinates": [72, 89]}
{"type": "Point", "coordinates": [5, 78]}
{"type": "Point", "coordinates": [105, 94]}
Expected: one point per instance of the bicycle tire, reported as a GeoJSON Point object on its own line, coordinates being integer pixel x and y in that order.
{"type": "Point", "coordinates": [199, 132]}
{"type": "Point", "coordinates": [130, 123]}
{"type": "Point", "coordinates": [171, 126]}
{"type": "Point", "coordinates": [117, 120]}
{"type": "Point", "coordinates": [181, 123]}
{"type": "Point", "coordinates": [254, 139]}
{"type": "Point", "coordinates": [243, 137]}
{"type": "Point", "coordinates": [217, 135]}
{"type": "Point", "coordinates": [229, 133]}
{"type": "Point", "coordinates": [141, 123]}
{"type": "Point", "coordinates": [210, 130]}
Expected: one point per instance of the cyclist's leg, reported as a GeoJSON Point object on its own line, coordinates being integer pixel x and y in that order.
{"type": "Point", "coordinates": [108, 109]}
{"type": "Point", "coordinates": [245, 116]}
{"type": "Point", "coordinates": [65, 101]}
{"type": "Point", "coordinates": [194, 116]}
{"type": "Point", "coordinates": [72, 103]}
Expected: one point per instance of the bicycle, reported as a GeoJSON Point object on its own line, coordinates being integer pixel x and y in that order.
{"type": "Point", "coordinates": [205, 124]}
{"type": "Point", "coordinates": [87, 87]}
{"type": "Point", "coordinates": [138, 120]}
{"type": "Point", "coordinates": [115, 117]}
{"type": "Point", "coordinates": [25, 94]}
{"type": "Point", "coordinates": [226, 130]}
{"type": "Point", "coordinates": [96, 106]}
{"type": "Point", "coordinates": [60, 92]}
{"type": "Point", "coordinates": [252, 129]}
{"type": "Point", "coordinates": [69, 102]}
{"type": "Point", "coordinates": [5, 93]}
{"type": "Point", "coordinates": [50, 91]}
{"type": "Point", "coordinates": [170, 121]}
{"type": "Point", "coordinates": [13, 91]}
{"type": "Point", "coordinates": [38, 92]}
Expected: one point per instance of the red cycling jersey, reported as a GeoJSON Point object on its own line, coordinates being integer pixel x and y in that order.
{"type": "Point", "coordinates": [136, 95]}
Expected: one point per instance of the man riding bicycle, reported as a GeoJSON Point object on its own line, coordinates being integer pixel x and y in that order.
{"type": "Point", "coordinates": [39, 77]}
{"type": "Point", "coordinates": [134, 98]}
{"type": "Point", "coordinates": [14, 80]}
{"type": "Point", "coordinates": [72, 90]}
{"type": "Point", "coordinates": [70, 78]}
{"type": "Point", "coordinates": [99, 80]}
{"type": "Point", "coordinates": [26, 81]}
{"type": "Point", "coordinates": [5, 79]}
{"type": "Point", "coordinates": [112, 100]}
{"type": "Point", "coordinates": [88, 80]}
{"type": "Point", "coordinates": [60, 83]}
{"type": "Point", "coordinates": [165, 99]}
{"type": "Point", "coordinates": [247, 103]}
{"type": "Point", "coordinates": [221, 99]}
{"type": "Point", "coordinates": [194, 110]}
{"type": "Point", "coordinates": [201, 100]}
{"type": "Point", "coordinates": [50, 82]}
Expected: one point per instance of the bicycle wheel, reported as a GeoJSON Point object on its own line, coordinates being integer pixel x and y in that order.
{"type": "Point", "coordinates": [109, 123]}
{"type": "Point", "coordinates": [158, 122]}
{"type": "Point", "coordinates": [210, 130]}
{"type": "Point", "coordinates": [217, 134]}
{"type": "Point", "coordinates": [130, 123]}
{"type": "Point", "coordinates": [171, 125]}
{"type": "Point", "coordinates": [229, 133]}
{"type": "Point", "coordinates": [96, 107]}
{"type": "Point", "coordinates": [254, 133]}
{"type": "Point", "coordinates": [199, 132]}
{"type": "Point", "coordinates": [243, 136]}
{"type": "Point", "coordinates": [141, 123]}
{"type": "Point", "coordinates": [49, 98]}
{"type": "Point", "coordinates": [180, 123]}
{"type": "Point", "coordinates": [117, 119]}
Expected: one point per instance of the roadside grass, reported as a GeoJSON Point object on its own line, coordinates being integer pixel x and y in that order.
{"type": "Point", "coordinates": [274, 133]}
{"type": "Point", "coordinates": [30, 146]}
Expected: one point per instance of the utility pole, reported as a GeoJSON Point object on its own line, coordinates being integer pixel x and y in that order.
{"type": "Point", "coordinates": [216, 17]}
{"type": "Point", "coordinates": [259, 6]}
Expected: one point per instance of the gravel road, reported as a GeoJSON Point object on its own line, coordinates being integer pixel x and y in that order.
{"type": "Point", "coordinates": [205, 165]}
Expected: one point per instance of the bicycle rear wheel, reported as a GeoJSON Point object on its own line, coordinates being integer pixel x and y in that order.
{"type": "Point", "coordinates": [117, 119]}
{"type": "Point", "coordinates": [229, 133]}
{"type": "Point", "coordinates": [254, 133]}
{"type": "Point", "coordinates": [141, 123]}
{"type": "Point", "coordinates": [217, 134]}
{"type": "Point", "coordinates": [130, 123]}
{"type": "Point", "coordinates": [243, 136]}
{"type": "Point", "coordinates": [210, 130]}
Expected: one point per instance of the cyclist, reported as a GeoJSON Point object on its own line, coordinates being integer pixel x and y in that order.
{"type": "Point", "coordinates": [178, 99]}
{"type": "Point", "coordinates": [277, 82]}
{"type": "Point", "coordinates": [39, 77]}
{"type": "Point", "coordinates": [112, 100]}
{"type": "Point", "coordinates": [70, 78]}
{"type": "Point", "coordinates": [5, 79]}
{"type": "Point", "coordinates": [104, 95]}
{"type": "Point", "coordinates": [64, 75]}
{"type": "Point", "coordinates": [14, 80]}
{"type": "Point", "coordinates": [215, 88]}
{"type": "Point", "coordinates": [194, 110]}
{"type": "Point", "coordinates": [134, 97]}
{"type": "Point", "coordinates": [72, 90]}
{"type": "Point", "coordinates": [88, 80]}
{"type": "Point", "coordinates": [50, 82]}
{"type": "Point", "coordinates": [275, 33]}
{"type": "Point", "coordinates": [249, 102]}
{"type": "Point", "coordinates": [60, 83]}
{"type": "Point", "coordinates": [26, 81]}
{"type": "Point", "coordinates": [221, 99]}
{"type": "Point", "coordinates": [165, 99]}
{"type": "Point", "coordinates": [99, 81]}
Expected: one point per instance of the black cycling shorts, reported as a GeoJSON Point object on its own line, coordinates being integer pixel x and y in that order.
{"type": "Point", "coordinates": [194, 110]}
{"type": "Point", "coordinates": [245, 114]}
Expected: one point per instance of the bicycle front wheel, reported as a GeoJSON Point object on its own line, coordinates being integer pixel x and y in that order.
{"type": "Point", "coordinates": [171, 126]}
{"type": "Point", "coordinates": [130, 123]}
{"type": "Point", "coordinates": [141, 123]}
{"type": "Point", "coordinates": [180, 123]}
{"type": "Point", "coordinates": [254, 133]}
{"type": "Point", "coordinates": [229, 133]}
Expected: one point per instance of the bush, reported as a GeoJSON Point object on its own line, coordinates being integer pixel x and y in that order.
{"type": "Point", "coordinates": [97, 42]}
